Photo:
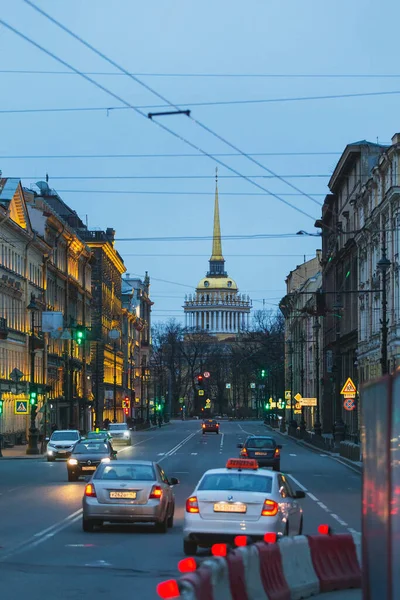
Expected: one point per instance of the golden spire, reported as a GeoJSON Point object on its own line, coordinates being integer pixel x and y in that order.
{"type": "Point", "coordinates": [217, 246]}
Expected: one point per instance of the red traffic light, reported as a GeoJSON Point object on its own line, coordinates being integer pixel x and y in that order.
{"type": "Point", "coordinates": [200, 378]}
{"type": "Point", "coordinates": [126, 411]}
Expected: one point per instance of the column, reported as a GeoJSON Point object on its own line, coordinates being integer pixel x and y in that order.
{"type": "Point", "coordinates": [186, 319]}
{"type": "Point", "coordinates": [235, 321]}
{"type": "Point", "coordinates": [248, 319]}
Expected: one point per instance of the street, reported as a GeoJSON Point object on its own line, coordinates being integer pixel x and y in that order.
{"type": "Point", "coordinates": [43, 548]}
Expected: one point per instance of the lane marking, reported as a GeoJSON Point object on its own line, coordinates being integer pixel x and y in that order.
{"type": "Point", "coordinates": [324, 507]}
{"type": "Point", "coordinates": [178, 446]}
{"type": "Point", "coordinates": [298, 483]}
{"type": "Point", "coordinates": [310, 495]}
{"type": "Point", "coordinates": [161, 454]}
{"type": "Point", "coordinates": [292, 454]}
{"type": "Point", "coordinates": [193, 454]}
{"type": "Point", "coordinates": [222, 443]}
{"type": "Point", "coordinates": [353, 531]}
{"type": "Point", "coordinates": [71, 516]}
{"type": "Point", "coordinates": [339, 520]}
{"type": "Point", "coordinates": [248, 432]}
{"type": "Point", "coordinates": [134, 445]}
{"type": "Point", "coordinates": [325, 455]}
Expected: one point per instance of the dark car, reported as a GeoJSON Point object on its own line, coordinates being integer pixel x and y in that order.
{"type": "Point", "coordinates": [86, 457]}
{"type": "Point", "coordinates": [210, 426]}
{"type": "Point", "coordinates": [264, 450]}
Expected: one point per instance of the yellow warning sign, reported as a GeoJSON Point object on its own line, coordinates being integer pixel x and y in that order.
{"type": "Point", "coordinates": [349, 388]}
{"type": "Point", "coordinates": [288, 395]}
{"type": "Point", "coordinates": [298, 397]}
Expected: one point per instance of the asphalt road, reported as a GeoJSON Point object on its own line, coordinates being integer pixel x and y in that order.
{"type": "Point", "coordinates": [44, 550]}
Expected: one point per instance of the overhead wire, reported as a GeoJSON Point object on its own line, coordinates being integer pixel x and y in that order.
{"type": "Point", "coordinates": [166, 193]}
{"type": "Point", "coordinates": [161, 125]}
{"type": "Point", "coordinates": [176, 155]}
{"type": "Point", "coordinates": [164, 99]}
{"type": "Point", "coordinates": [155, 177]}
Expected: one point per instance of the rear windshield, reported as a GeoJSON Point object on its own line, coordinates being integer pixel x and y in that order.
{"type": "Point", "coordinates": [118, 427]}
{"type": "Point", "coordinates": [91, 448]}
{"type": "Point", "coordinates": [97, 434]}
{"type": "Point", "coordinates": [210, 422]}
{"type": "Point", "coordinates": [260, 443]}
{"type": "Point", "coordinates": [64, 435]}
{"type": "Point", "coordinates": [237, 482]}
{"type": "Point", "coordinates": [126, 473]}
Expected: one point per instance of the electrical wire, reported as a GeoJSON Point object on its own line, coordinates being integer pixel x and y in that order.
{"type": "Point", "coordinates": [162, 126]}
{"type": "Point", "coordinates": [164, 99]}
{"type": "Point", "coordinates": [165, 193]}
{"type": "Point", "coordinates": [190, 238]}
{"type": "Point", "coordinates": [156, 177]}
{"type": "Point", "coordinates": [178, 155]}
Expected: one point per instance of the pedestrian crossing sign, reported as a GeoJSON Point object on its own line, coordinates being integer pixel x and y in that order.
{"type": "Point", "coordinates": [349, 388]}
{"type": "Point", "coordinates": [21, 407]}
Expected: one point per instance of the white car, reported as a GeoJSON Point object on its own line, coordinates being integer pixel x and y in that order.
{"type": "Point", "coordinates": [240, 499]}
{"type": "Point", "coordinates": [120, 433]}
{"type": "Point", "coordinates": [61, 443]}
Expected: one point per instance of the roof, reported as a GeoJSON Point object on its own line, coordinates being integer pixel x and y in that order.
{"type": "Point", "coordinates": [8, 187]}
{"type": "Point", "coordinates": [217, 283]}
{"type": "Point", "coordinates": [259, 471]}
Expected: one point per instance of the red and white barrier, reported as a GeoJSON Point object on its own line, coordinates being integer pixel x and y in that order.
{"type": "Point", "coordinates": [295, 568]}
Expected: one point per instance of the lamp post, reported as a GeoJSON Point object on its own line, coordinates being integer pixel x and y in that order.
{"type": "Point", "coordinates": [317, 423]}
{"type": "Point", "coordinates": [131, 374]}
{"type": "Point", "coordinates": [303, 426]}
{"type": "Point", "coordinates": [383, 266]}
{"type": "Point", "coordinates": [114, 335]}
{"type": "Point", "coordinates": [33, 431]}
{"type": "Point", "coordinates": [293, 423]}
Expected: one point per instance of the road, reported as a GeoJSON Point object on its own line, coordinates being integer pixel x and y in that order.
{"type": "Point", "coordinates": [43, 548]}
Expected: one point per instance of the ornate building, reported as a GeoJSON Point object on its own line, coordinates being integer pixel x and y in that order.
{"type": "Point", "coordinates": [217, 307]}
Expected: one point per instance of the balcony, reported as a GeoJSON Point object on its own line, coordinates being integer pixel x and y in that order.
{"type": "Point", "coordinates": [3, 328]}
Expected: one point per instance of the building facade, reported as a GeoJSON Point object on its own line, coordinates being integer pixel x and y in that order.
{"type": "Point", "coordinates": [217, 307]}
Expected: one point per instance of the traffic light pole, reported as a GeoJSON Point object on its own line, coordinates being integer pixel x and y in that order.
{"type": "Point", "coordinates": [33, 432]}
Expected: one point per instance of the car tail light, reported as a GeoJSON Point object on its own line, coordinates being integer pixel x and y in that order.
{"type": "Point", "coordinates": [156, 493]}
{"type": "Point", "coordinates": [203, 426]}
{"type": "Point", "coordinates": [277, 452]}
{"type": "Point", "coordinates": [217, 424]}
{"type": "Point", "coordinates": [243, 452]}
{"type": "Point", "coordinates": [270, 508]}
{"type": "Point", "coordinates": [90, 490]}
{"type": "Point", "coordinates": [192, 506]}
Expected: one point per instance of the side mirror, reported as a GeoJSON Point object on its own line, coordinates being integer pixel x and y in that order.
{"type": "Point", "coordinates": [240, 446]}
{"type": "Point", "coordinates": [47, 439]}
{"type": "Point", "coordinates": [173, 481]}
{"type": "Point", "coordinates": [279, 446]}
{"type": "Point", "coordinates": [299, 494]}
{"type": "Point", "coordinates": [114, 453]}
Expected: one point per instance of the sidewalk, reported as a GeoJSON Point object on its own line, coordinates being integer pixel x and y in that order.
{"type": "Point", "coordinates": [19, 452]}
{"type": "Point", "coordinates": [356, 465]}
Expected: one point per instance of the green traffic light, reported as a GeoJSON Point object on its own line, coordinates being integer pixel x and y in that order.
{"type": "Point", "coordinates": [263, 373]}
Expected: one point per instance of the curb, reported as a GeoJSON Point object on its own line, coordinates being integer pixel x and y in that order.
{"type": "Point", "coordinates": [340, 459]}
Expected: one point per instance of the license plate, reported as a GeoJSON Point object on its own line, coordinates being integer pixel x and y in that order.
{"type": "Point", "coordinates": [88, 468]}
{"type": "Point", "coordinates": [260, 453]}
{"type": "Point", "coordinates": [62, 452]}
{"type": "Point", "coordinates": [230, 508]}
{"type": "Point", "coordinates": [130, 495]}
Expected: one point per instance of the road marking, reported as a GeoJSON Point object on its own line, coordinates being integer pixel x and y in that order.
{"type": "Point", "coordinates": [353, 531]}
{"type": "Point", "coordinates": [193, 454]}
{"type": "Point", "coordinates": [161, 454]}
{"type": "Point", "coordinates": [134, 445]}
{"type": "Point", "coordinates": [98, 563]}
{"type": "Point", "coordinates": [178, 446]}
{"type": "Point", "coordinates": [222, 443]}
{"type": "Point", "coordinates": [339, 520]}
{"type": "Point", "coordinates": [248, 432]}
{"type": "Point", "coordinates": [323, 506]}
{"type": "Point", "coordinates": [312, 497]}
{"type": "Point", "coordinates": [292, 454]}
{"type": "Point", "coordinates": [298, 483]}
{"type": "Point", "coordinates": [324, 455]}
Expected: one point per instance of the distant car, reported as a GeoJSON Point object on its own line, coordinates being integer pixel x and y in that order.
{"type": "Point", "coordinates": [98, 435]}
{"type": "Point", "coordinates": [61, 443]}
{"type": "Point", "coordinates": [86, 457]}
{"type": "Point", "coordinates": [210, 426]}
{"type": "Point", "coordinates": [263, 449]}
{"type": "Point", "coordinates": [120, 433]}
{"type": "Point", "coordinates": [135, 491]}
{"type": "Point", "coordinates": [240, 499]}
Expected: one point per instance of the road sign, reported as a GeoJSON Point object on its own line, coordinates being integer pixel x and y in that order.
{"type": "Point", "coordinates": [288, 395]}
{"type": "Point", "coordinates": [253, 386]}
{"type": "Point", "coordinates": [349, 389]}
{"type": "Point", "coordinates": [308, 402]}
{"type": "Point", "coordinates": [16, 375]}
{"type": "Point", "coordinates": [206, 374]}
{"type": "Point", "coordinates": [201, 392]}
{"type": "Point", "coordinates": [21, 407]}
{"type": "Point", "coordinates": [228, 386]}
{"type": "Point", "coordinates": [273, 404]}
{"type": "Point", "coordinates": [298, 406]}
{"type": "Point", "coordinates": [181, 400]}
{"type": "Point", "coordinates": [298, 397]}
{"type": "Point", "coordinates": [349, 404]}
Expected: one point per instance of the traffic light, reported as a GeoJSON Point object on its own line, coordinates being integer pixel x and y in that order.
{"type": "Point", "coordinates": [126, 405]}
{"type": "Point", "coordinates": [33, 399]}
{"type": "Point", "coordinates": [262, 373]}
{"type": "Point", "coordinates": [267, 406]}
{"type": "Point", "coordinates": [158, 407]}
{"type": "Point", "coordinates": [80, 334]}
{"type": "Point", "coordinates": [1, 407]}
{"type": "Point", "coordinates": [200, 379]}
{"type": "Point", "coordinates": [126, 411]}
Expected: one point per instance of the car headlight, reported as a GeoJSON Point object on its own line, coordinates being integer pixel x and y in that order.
{"type": "Point", "coordinates": [126, 434]}
{"type": "Point", "coordinates": [50, 452]}
{"type": "Point", "coordinates": [72, 461]}
{"type": "Point", "coordinates": [105, 460]}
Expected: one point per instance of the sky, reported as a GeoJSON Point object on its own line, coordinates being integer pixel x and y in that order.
{"type": "Point", "coordinates": [194, 52]}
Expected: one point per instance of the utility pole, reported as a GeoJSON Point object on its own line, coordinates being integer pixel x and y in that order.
{"type": "Point", "coordinates": [383, 266]}
{"type": "Point", "coordinates": [317, 424]}
{"type": "Point", "coordinates": [33, 432]}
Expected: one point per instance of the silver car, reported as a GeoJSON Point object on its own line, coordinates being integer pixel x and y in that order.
{"type": "Point", "coordinates": [61, 443]}
{"type": "Point", "coordinates": [129, 491]}
{"type": "Point", "coordinates": [240, 499]}
{"type": "Point", "coordinates": [120, 433]}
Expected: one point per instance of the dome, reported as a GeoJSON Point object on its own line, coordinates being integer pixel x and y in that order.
{"type": "Point", "coordinates": [217, 283]}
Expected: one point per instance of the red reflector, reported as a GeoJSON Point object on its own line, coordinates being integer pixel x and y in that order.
{"type": "Point", "coordinates": [187, 565]}
{"type": "Point", "coordinates": [270, 538]}
{"type": "Point", "coordinates": [242, 463]}
{"type": "Point", "coordinates": [324, 529]}
{"type": "Point", "coordinates": [241, 540]}
{"type": "Point", "coordinates": [219, 550]}
{"type": "Point", "coordinates": [168, 589]}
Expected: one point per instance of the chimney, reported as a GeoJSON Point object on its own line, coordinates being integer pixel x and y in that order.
{"type": "Point", "coordinates": [110, 233]}
{"type": "Point", "coordinates": [396, 139]}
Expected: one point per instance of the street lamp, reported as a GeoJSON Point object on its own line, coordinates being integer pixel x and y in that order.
{"type": "Point", "coordinates": [317, 424]}
{"type": "Point", "coordinates": [293, 423]}
{"type": "Point", "coordinates": [114, 335]}
{"type": "Point", "coordinates": [383, 266]}
{"type": "Point", "coordinates": [33, 431]}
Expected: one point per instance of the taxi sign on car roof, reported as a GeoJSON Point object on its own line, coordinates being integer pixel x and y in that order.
{"type": "Point", "coordinates": [242, 463]}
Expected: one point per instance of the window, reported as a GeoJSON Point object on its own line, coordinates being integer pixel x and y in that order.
{"type": "Point", "coordinates": [284, 488]}
{"type": "Point", "coordinates": [260, 443]}
{"type": "Point", "coordinates": [126, 472]}
{"type": "Point", "coordinates": [163, 476]}
{"type": "Point", "coordinates": [236, 482]}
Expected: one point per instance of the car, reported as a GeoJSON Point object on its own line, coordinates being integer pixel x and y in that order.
{"type": "Point", "coordinates": [120, 433]}
{"type": "Point", "coordinates": [240, 499]}
{"type": "Point", "coordinates": [98, 435]}
{"type": "Point", "coordinates": [129, 491]}
{"type": "Point", "coordinates": [86, 457]}
{"type": "Point", "coordinates": [210, 426]}
{"type": "Point", "coordinates": [61, 443]}
{"type": "Point", "coordinates": [263, 449]}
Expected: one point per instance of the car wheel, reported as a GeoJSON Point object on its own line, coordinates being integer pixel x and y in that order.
{"type": "Point", "coordinates": [189, 548]}
{"type": "Point", "coordinates": [301, 526]}
{"type": "Point", "coordinates": [72, 477]}
{"type": "Point", "coordinates": [163, 526]}
{"type": "Point", "coordinates": [277, 467]}
{"type": "Point", "coordinates": [87, 525]}
{"type": "Point", "coordinates": [170, 520]}
{"type": "Point", "coordinates": [50, 459]}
